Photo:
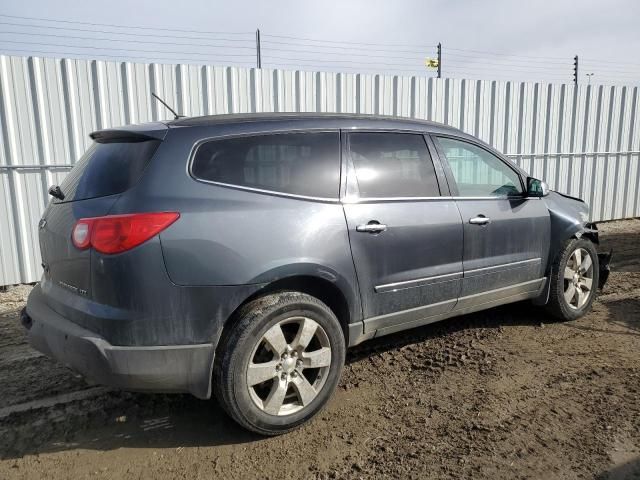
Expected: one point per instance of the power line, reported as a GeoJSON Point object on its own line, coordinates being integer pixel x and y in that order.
{"type": "Point", "coordinates": [117, 33]}
{"type": "Point", "coordinates": [422, 52]}
{"type": "Point", "coordinates": [502, 54]}
{"type": "Point", "coordinates": [546, 62]}
{"type": "Point", "coordinates": [130, 49]}
{"type": "Point", "coordinates": [597, 62]}
{"type": "Point", "coordinates": [503, 67]}
{"type": "Point", "coordinates": [288, 50]}
{"type": "Point", "coordinates": [508, 63]}
{"type": "Point", "coordinates": [483, 64]}
{"type": "Point", "coordinates": [137, 27]}
{"type": "Point", "coordinates": [349, 42]}
{"type": "Point", "coordinates": [212, 45]}
{"type": "Point", "coordinates": [350, 62]}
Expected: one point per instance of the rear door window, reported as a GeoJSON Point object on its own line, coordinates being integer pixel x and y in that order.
{"type": "Point", "coordinates": [107, 169]}
{"type": "Point", "coordinates": [392, 165]}
{"type": "Point", "coordinates": [306, 164]}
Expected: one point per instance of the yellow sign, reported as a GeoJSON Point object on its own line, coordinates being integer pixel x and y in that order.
{"type": "Point", "coordinates": [431, 63]}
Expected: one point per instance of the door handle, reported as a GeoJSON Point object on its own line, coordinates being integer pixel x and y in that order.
{"type": "Point", "coordinates": [479, 220]}
{"type": "Point", "coordinates": [371, 227]}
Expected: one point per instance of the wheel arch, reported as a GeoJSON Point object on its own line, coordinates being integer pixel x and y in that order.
{"type": "Point", "coordinates": [326, 291]}
{"type": "Point", "coordinates": [572, 230]}
{"type": "Point", "coordinates": [565, 227]}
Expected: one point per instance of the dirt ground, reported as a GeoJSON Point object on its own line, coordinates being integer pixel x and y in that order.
{"type": "Point", "coordinates": [502, 394]}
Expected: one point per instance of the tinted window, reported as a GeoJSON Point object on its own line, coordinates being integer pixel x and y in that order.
{"type": "Point", "coordinates": [107, 169]}
{"type": "Point", "coordinates": [392, 165]}
{"type": "Point", "coordinates": [297, 163]}
{"type": "Point", "coordinates": [477, 172]}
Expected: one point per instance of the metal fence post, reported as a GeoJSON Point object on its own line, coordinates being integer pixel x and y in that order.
{"type": "Point", "coordinates": [258, 53]}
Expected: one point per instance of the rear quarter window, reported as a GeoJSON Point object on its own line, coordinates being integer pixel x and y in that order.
{"type": "Point", "coordinates": [306, 163]}
{"type": "Point", "coordinates": [108, 169]}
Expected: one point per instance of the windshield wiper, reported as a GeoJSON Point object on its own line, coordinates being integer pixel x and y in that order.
{"type": "Point", "coordinates": [54, 191]}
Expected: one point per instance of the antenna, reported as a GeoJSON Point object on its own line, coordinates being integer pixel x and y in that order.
{"type": "Point", "coordinates": [176, 116]}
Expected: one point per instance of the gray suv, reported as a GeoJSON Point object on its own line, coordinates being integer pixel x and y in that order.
{"type": "Point", "coordinates": [240, 255]}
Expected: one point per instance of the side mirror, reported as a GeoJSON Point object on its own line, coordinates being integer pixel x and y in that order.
{"type": "Point", "coordinates": [536, 188]}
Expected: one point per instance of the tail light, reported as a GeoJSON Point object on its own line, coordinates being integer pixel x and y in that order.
{"type": "Point", "coordinates": [119, 233]}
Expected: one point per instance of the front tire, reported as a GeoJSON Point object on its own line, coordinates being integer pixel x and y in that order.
{"type": "Point", "coordinates": [574, 280]}
{"type": "Point", "coordinates": [278, 365]}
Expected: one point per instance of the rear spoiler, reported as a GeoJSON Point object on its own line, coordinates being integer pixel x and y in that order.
{"type": "Point", "coordinates": [133, 133]}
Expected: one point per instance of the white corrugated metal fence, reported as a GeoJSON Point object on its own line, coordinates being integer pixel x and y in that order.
{"type": "Point", "coordinates": [582, 140]}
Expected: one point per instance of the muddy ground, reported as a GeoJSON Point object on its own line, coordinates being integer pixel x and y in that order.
{"type": "Point", "coordinates": [502, 394]}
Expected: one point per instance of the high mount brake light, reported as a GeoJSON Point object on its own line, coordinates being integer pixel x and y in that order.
{"type": "Point", "coordinates": [119, 233]}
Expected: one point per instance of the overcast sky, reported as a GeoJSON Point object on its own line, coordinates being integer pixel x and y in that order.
{"type": "Point", "coordinates": [477, 36]}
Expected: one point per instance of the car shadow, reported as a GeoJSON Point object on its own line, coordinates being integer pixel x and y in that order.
{"type": "Point", "coordinates": [626, 471]}
{"type": "Point", "coordinates": [118, 420]}
{"type": "Point", "coordinates": [623, 312]}
{"type": "Point", "coordinates": [625, 250]}
{"type": "Point", "coordinates": [515, 314]}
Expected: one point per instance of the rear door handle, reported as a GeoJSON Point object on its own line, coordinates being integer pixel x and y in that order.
{"type": "Point", "coordinates": [371, 227]}
{"type": "Point", "coordinates": [479, 220]}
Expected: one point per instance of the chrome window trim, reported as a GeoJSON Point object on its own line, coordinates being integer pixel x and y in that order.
{"type": "Point", "coordinates": [350, 200]}
{"type": "Point", "coordinates": [505, 197]}
{"type": "Point", "coordinates": [202, 141]}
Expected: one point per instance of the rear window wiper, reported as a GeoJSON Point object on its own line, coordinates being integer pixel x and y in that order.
{"type": "Point", "coordinates": [54, 191]}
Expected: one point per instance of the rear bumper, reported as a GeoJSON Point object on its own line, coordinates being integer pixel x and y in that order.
{"type": "Point", "coordinates": [167, 369]}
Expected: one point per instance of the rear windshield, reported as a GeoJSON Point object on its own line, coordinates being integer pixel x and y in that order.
{"type": "Point", "coordinates": [107, 169]}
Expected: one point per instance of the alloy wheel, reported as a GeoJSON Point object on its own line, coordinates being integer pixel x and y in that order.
{"type": "Point", "coordinates": [289, 366]}
{"type": "Point", "coordinates": [578, 278]}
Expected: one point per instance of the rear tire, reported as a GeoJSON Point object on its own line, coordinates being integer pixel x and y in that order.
{"type": "Point", "coordinates": [574, 280]}
{"type": "Point", "coordinates": [278, 364]}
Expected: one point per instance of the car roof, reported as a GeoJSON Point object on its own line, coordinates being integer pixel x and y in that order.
{"type": "Point", "coordinates": [327, 120]}
{"type": "Point", "coordinates": [306, 120]}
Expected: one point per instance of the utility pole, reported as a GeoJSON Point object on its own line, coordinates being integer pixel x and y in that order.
{"type": "Point", "coordinates": [258, 54]}
{"type": "Point", "coordinates": [575, 70]}
{"type": "Point", "coordinates": [439, 60]}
